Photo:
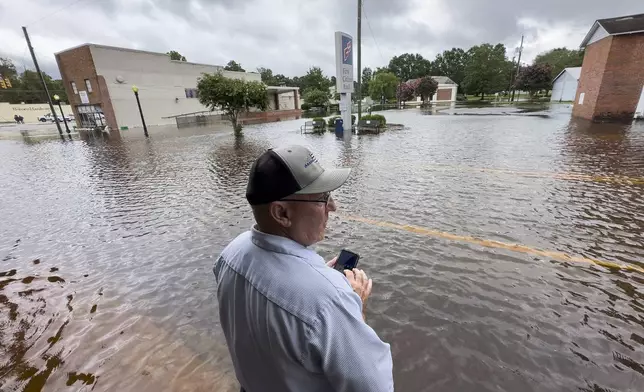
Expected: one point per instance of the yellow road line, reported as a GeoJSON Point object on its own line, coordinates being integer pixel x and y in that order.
{"type": "Point", "coordinates": [495, 244]}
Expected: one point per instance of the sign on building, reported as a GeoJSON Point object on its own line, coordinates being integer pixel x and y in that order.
{"type": "Point", "coordinates": [343, 62]}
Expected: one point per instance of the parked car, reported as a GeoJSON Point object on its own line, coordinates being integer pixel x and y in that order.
{"type": "Point", "coordinates": [50, 117]}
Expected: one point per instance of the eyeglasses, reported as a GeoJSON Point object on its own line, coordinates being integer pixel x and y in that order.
{"type": "Point", "coordinates": [324, 199]}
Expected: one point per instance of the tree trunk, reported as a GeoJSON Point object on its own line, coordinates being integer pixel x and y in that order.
{"type": "Point", "coordinates": [482, 96]}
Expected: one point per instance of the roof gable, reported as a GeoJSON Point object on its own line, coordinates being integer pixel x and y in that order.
{"type": "Point", "coordinates": [630, 24]}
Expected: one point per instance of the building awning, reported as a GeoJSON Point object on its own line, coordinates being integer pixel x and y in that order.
{"type": "Point", "coordinates": [281, 89]}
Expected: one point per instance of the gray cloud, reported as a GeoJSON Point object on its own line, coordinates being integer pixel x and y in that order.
{"type": "Point", "coordinates": [289, 36]}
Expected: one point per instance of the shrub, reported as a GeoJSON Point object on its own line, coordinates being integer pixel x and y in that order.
{"type": "Point", "coordinates": [378, 117]}
{"type": "Point", "coordinates": [319, 123]}
{"type": "Point", "coordinates": [305, 106]}
{"type": "Point", "coordinates": [331, 121]}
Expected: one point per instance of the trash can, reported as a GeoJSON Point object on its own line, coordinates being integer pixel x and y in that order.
{"type": "Point", "coordinates": [339, 128]}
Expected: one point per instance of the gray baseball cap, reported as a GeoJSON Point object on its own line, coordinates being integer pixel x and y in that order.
{"type": "Point", "coordinates": [284, 171]}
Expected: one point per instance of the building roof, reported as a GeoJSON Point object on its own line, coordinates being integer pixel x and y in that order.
{"type": "Point", "coordinates": [575, 72]}
{"type": "Point", "coordinates": [438, 79]}
{"type": "Point", "coordinates": [629, 24]}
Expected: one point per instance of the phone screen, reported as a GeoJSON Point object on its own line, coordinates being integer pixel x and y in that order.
{"type": "Point", "coordinates": [346, 260]}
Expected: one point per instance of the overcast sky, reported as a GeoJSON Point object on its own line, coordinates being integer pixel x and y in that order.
{"type": "Point", "coordinates": [289, 36]}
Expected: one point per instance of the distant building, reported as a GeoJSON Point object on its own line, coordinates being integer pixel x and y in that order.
{"type": "Point", "coordinates": [446, 91]}
{"type": "Point", "coordinates": [611, 85]}
{"type": "Point", "coordinates": [564, 87]}
{"type": "Point", "coordinates": [99, 79]}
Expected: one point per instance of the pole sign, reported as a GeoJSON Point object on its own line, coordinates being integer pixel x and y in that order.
{"type": "Point", "coordinates": [343, 62]}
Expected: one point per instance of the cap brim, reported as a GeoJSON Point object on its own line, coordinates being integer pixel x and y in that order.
{"type": "Point", "coordinates": [329, 180]}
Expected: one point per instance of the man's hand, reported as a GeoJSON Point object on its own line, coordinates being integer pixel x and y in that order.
{"type": "Point", "coordinates": [331, 263]}
{"type": "Point", "coordinates": [360, 283]}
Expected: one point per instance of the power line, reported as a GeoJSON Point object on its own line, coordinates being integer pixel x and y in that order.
{"type": "Point", "coordinates": [55, 12]}
{"type": "Point", "coordinates": [371, 30]}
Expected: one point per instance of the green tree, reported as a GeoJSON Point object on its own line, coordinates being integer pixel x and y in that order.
{"type": "Point", "coordinates": [281, 80]}
{"type": "Point", "coordinates": [267, 76]}
{"type": "Point", "coordinates": [7, 68]}
{"type": "Point", "coordinates": [174, 55]}
{"type": "Point", "coordinates": [451, 63]}
{"type": "Point", "coordinates": [232, 96]}
{"type": "Point", "coordinates": [316, 98]}
{"type": "Point", "coordinates": [367, 75]}
{"type": "Point", "coordinates": [487, 71]}
{"type": "Point", "coordinates": [559, 59]}
{"type": "Point", "coordinates": [383, 84]}
{"type": "Point", "coordinates": [410, 66]}
{"type": "Point", "coordinates": [234, 66]}
{"type": "Point", "coordinates": [313, 80]}
{"type": "Point", "coordinates": [426, 87]}
{"type": "Point", "coordinates": [534, 78]}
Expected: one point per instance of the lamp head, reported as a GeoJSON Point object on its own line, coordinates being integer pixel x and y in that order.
{"type": "Point", "coordinates": [135, 89]}
{"type": "Point", "coordinates": [56, 97]}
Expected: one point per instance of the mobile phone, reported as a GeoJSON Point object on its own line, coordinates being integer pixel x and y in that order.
{"type": "Point", "coordinates": [346, 260]}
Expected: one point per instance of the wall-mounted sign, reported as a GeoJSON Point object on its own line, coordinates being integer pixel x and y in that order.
{"type": "Point", "coordinates": [343, 62]}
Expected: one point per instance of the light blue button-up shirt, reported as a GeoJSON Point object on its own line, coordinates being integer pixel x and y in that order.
{"type": "Point", "coordinates": [294, 324]}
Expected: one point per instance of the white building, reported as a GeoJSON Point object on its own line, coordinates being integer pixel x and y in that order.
{"type": "Point", "coordinates": [99, 78]}
{"type": "Point", "coordinates": [564, 87]}
{"type": "Point", "coordinates": [446, 91]}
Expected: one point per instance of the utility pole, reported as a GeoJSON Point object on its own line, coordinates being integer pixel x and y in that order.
{"type": "Point", "coordinates": [359, 60]}
{"type": "Point", "coordinates": [516, 72]}
{"type": "Point", "coordinates": [44, 85]}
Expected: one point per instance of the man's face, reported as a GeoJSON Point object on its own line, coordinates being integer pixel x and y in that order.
{"type": "Point", "coordinates": [309, 215]}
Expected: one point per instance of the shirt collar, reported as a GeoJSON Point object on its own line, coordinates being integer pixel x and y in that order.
{"type": "Point", "coordinates": [278, 244]}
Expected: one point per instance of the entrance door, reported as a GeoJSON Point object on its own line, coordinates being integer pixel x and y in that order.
{"type": "Point", "coordinates": [639, 112]}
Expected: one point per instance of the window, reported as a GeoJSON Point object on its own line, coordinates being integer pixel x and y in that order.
{"type": "Point", "coordinates": [191, 93]}
{"type": "Point", "coordinates": [88, 85]}
{"type": "Point", "coordinates": [74, 88]}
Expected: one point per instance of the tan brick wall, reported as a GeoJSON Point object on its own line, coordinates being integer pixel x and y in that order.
{"type": "Point", "coordinates": [76, 65]}
{"type": "Point", "coordinates": [623, 78]}
{"type": "Point", "coordinates": [590, 80]}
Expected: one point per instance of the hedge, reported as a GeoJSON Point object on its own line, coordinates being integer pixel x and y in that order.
{"type": "Point", "coordinates": [379, 117]}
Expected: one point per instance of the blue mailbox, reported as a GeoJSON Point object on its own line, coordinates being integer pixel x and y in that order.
{"type": "Point", "coordinates": [339, 128]}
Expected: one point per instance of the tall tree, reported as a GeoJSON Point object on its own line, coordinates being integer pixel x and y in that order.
{"type": "Point", "coordinates": [534, 78]}
{"type": "Point", "coordinates": [267, 76]}
{"type": "Point", "coordinates": [410, 66]}
{"type": "Point", "coordinates": [281, 80]}
{"type": "Point", "coordinates": [384, 84]}
{"type": "Point", "coordinates": [174, 55]}
{"type": "Point", "coordinates": [7, 68]}
{"type": "Point", "coordinates": [559, 59]}
{"type": "Point", "coordinates": [367, 74]}
{"type": "Point", "coordinates": [316, 98]}
{"type": "Point", "coordinates": [451, 63]}
{"type": "Point", "coordinates": [487, 71]}
{"type": "Point", "coordinates": [314, 79]}
{"type": "Point", "coordinates": [234, 66]}
{"type": "Point", "coordinates": [232, 96]}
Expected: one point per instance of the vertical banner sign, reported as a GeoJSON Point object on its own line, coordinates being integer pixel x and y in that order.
{"type": "Point", "coordinates": [343, 62]}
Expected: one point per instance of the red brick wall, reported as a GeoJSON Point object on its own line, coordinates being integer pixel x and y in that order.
{"type": "Point", "coordinates": [444, 94]}
{"type": "Point", "coordinates": [590, 80]}
{"type": "Point", "coordinates": [623, 78]}
{"type": "Point", "coordinates": [612, 77]}
{"type": "Point", "coordinates": [76, 65]}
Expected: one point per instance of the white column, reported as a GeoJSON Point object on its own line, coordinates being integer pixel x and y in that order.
{"type": "Point", "coordinates": [454, 90]}
{"type": "Point", "coordinates": [345, 113]}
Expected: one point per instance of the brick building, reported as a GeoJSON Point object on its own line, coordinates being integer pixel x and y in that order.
{"type": "Point", "coordinates": [99, 79]}
{"type": "Point", "coordinates": [611, 85]}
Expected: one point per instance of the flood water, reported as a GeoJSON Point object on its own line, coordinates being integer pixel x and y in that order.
{"type": "Point", "coordinates": [506, 251]}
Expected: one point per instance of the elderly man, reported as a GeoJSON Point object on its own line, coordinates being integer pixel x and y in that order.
{"type": "Point", "coordinates": [293, 323]}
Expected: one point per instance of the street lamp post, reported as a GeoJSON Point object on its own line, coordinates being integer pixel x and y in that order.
{"type": "Point", "coordinates": [57, 99]}
{"type": "Point", "coordinates": [138, 102]}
